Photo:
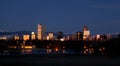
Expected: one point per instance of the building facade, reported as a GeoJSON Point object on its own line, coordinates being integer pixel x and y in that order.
{"type": "Point", "coordinates": [41, 32]}
{"type": "Point", "coordinates": [33, 36]}
{"type": "Point", "coordinates": [86, 32]}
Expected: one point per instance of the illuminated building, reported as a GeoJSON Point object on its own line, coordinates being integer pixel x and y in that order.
{"type": "Point", "coordinates": [47, 37]}
{"type": "Point", "coordinates": [41, 32]}
{"type": "Point", "coordinates": [97, 37]}
{"type": "Point", "coordinates": [109, 36]}
{"type": "Point", "coordinates": [33, 36]}
{"type": "Point", "coordinates": [16, 37]}
{"type": "Point", "coordinates": [67, 37]}
{"type": "Point", "coordinates": [3, 38]}
{"type": "Point", "coordinates": [79, 35]}
{"type": "Point", "coordinates": [86, 33]}
{"type": "Point", "coordinates": [90, 38]}
{"type": "Point", "coordinates": [26, 37]}
{"type": "Point", "coordinates": [62, 39]}
{"type": "Point", "coordinates": [50, 36]}
{"type": "Point", "coordinates": [73, 37]}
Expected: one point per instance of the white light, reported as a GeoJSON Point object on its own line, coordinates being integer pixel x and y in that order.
{"type": "Point", "coordinates": [32, 32]}
{"type": "Point", "coordinates": [48, 38]}
{"type": "Point", "coordinates": [62, 39]}
{"type": "Point", "coordinates": [97, 36]}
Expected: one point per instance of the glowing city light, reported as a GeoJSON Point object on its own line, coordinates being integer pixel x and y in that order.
{"type": "Point", "coordinates": [56, 49]}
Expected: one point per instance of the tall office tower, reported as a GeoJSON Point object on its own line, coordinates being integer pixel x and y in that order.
{"type": "Point", "coordinates": [41, 32]}
{"type": "Point", "coordinates": [32, 35]}
{"type": "Point", "coordinates": [86, 32]}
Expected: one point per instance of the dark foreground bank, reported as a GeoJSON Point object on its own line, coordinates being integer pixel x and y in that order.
{"type": "Point", "coordinates": [57, 60]}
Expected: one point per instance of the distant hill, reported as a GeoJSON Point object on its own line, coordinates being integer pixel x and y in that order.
{"type": "Point", "coordinates": [20, 33]}
{"type": "Point", "coordinates": [15, 33]}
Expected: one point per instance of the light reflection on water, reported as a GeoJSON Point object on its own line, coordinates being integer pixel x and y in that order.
{"type": "Point", "coordinates": [46, 51]}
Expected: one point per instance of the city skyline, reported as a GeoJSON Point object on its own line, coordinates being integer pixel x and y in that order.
{"type": "Point", "coordinates": [73, 32]}
{"type": "Point", "coordinates": [69, 16]}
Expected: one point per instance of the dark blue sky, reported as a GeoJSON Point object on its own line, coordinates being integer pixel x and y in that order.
{"type": "Point", "coordinates": [101, 16]}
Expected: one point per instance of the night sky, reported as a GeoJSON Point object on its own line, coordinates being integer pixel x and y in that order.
{"type": "Point", "coordinates": [101, 16]}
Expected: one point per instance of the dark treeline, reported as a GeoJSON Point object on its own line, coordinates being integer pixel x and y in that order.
{"type": "Point", "coordinates": [98, 47]}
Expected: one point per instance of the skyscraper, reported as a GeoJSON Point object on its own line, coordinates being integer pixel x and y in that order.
{"type": "Point", "coordinates": [41, 32]}
{"type": "Point", "coordinates": [33, 36]}
{"type": "Point", "coordinates": [86, 32]}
